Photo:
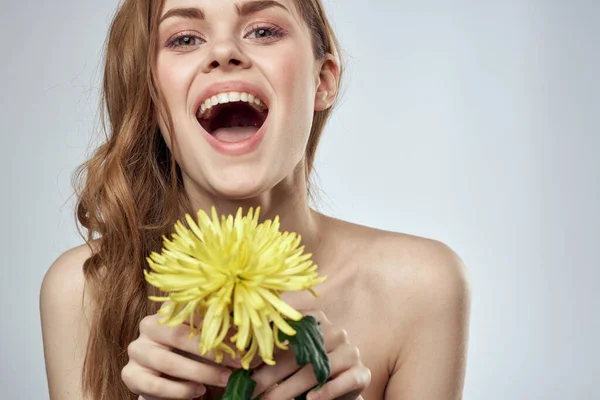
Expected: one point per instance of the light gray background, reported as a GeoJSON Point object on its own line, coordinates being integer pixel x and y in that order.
{"type": "Point", "coordinates": [471, 122]}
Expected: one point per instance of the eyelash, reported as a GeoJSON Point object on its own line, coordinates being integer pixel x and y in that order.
{"type": "Point", "coordinates": [275, 32]}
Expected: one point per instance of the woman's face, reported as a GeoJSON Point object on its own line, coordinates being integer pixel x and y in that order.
{"type": "Point", "coordinates": [261, 48]}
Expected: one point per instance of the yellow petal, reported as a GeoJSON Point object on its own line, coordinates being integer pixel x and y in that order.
{"type": "Point", "coordinates": [282, 325]}
{"type": "Point", "coordinates": [244, 329]}
{"type": "Point", "coordinates": [279, 344]}
{"type": "Point", "coordinates": [264, 336]}
{"type": "Point", "coordinates": [254, 316]}
{"type": "Point", "coordinates": [280, 305]}
{"type": "Point", "coordinates": [193, 226]}
{"type": "Point", "coordinates": [249, 355]}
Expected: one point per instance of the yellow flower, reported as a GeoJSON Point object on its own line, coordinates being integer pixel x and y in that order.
{"type": "Point", "coordinates": [231, 272]}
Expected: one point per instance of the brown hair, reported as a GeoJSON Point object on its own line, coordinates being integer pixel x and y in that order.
{"type": "Point", "coordinates": [130, 190]}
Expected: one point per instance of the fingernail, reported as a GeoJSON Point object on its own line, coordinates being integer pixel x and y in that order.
{"type": "Point", "coordinates": [200, 390]}
{"type": "Point", "coordinates": [225, 377]}
{"type": "Point", "coordinates": [313, 396]}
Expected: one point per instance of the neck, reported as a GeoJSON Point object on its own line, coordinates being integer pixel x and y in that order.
{"type": "Point", "coordinates": [288, 199]}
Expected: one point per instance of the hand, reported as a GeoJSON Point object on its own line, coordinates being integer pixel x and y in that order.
{"type": "Point", "coordinates": [162, 350]}
{"type": "Point", "coordinates": [349, 377]}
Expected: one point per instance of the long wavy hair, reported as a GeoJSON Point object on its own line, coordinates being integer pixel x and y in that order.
{"type": "Point", "coordinates": [130, 191]}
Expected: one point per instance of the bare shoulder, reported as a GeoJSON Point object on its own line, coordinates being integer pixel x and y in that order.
{"type": "Point", "coordinates": [423, 276]}
{"type": "Point", "coordinates": [64, 282]}
{"type": "Point", "coordinates": [419, 265]}
{"type": "Point", "coordinates": [421, 292]}
{"type": "Point", "coordinates": [431, 277]}
{"type": "Point", "coordinates": [427, 270]}
{"type": "Point", "coordinates": [65, 309]}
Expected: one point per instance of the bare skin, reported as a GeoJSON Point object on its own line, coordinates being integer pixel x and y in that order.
{"type": "Point", "coordinates": [395, 307]}
{"type": "Point", "coordinates": [403, 301]}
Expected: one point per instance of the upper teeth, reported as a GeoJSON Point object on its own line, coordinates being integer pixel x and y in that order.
{"type": "Point", "coordinates": [229, 97]}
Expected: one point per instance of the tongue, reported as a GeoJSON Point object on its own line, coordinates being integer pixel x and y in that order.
{"type": "Point", "coordinates": [234, 134]}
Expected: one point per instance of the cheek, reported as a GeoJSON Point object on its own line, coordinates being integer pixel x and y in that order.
{"type": "Point", "coordinates": [168, 81]}
{"type": "Point", "coordinates": [294, 85]}
{"type": "Point", "coordinates": [174, 78]}
{"type": "Point", "coordinates": [288, 65]}
{"type": "Point", "coordinates": [293, 70]}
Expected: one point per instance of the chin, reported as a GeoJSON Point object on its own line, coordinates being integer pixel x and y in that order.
{"type": "Point", "coordinates": [241, 187]}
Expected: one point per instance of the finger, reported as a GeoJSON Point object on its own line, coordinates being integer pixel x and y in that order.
{"type": "Point", "coordinates": [266, 376]}
{"type": "Point", "coordinates": [341, 359]}
{"type": "Point", "coordinates": [145, 382]}
{"type": "Point", "coordinates": [178, 337]}
{"type": "Point", "coordinates": [295, 385]}
{"type": "Point", "coordinates": [209, 358]}
{"type": "Point", "coordinates": [344, 357]}
{"type": "Point", "coordinates": [175, 337]}
{"type": "Point", "coordinates": [333, 336]}
{"type": "Point", "coordinates": [148, 397]}
{"type": "Point", "coordinates": [162, 360]}
{"type": "Point", "coordinates": [336, 342]}
{"type": "Point", "coordinates": [180, 340]}
{"type": "Point", "coordinates": [318, 314]}
{"type": "Point", "coordinates": [348, 384]}
{"type": "Point", "coordinates": [270, 390]}
{"type": "Point", "coordinates": [198, 323]}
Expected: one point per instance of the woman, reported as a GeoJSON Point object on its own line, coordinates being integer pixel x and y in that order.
{"type": "Point", "coordinates": [395, 307]}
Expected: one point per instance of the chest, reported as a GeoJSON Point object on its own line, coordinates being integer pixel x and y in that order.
{"type": "Point", "coordinates": [356, 311]}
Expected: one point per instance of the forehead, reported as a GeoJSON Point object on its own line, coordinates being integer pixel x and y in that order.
{"type": "Point", "coordinates": [233, 5]}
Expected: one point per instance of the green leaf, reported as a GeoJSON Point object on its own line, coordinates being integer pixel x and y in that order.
{"type": "Point", "coordinates": [308, 345]}
{"type": "Point", "coordinates": [239, 386]}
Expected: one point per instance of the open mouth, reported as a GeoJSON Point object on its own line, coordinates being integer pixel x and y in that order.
{"type": "Point", "coordinates": [234, 121]}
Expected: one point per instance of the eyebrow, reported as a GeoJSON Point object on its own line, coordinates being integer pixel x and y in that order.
{"type": "Point", "coordinates": [246, 8]}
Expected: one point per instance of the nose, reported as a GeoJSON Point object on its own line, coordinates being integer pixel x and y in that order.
{"type": "Point", "coordinates": [226, 55]}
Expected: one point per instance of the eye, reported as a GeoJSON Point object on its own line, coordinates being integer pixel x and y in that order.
{"type": "Point", "coordinates": [184, 40]}
{"type": "Point", "coordinates": [265, 32]}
